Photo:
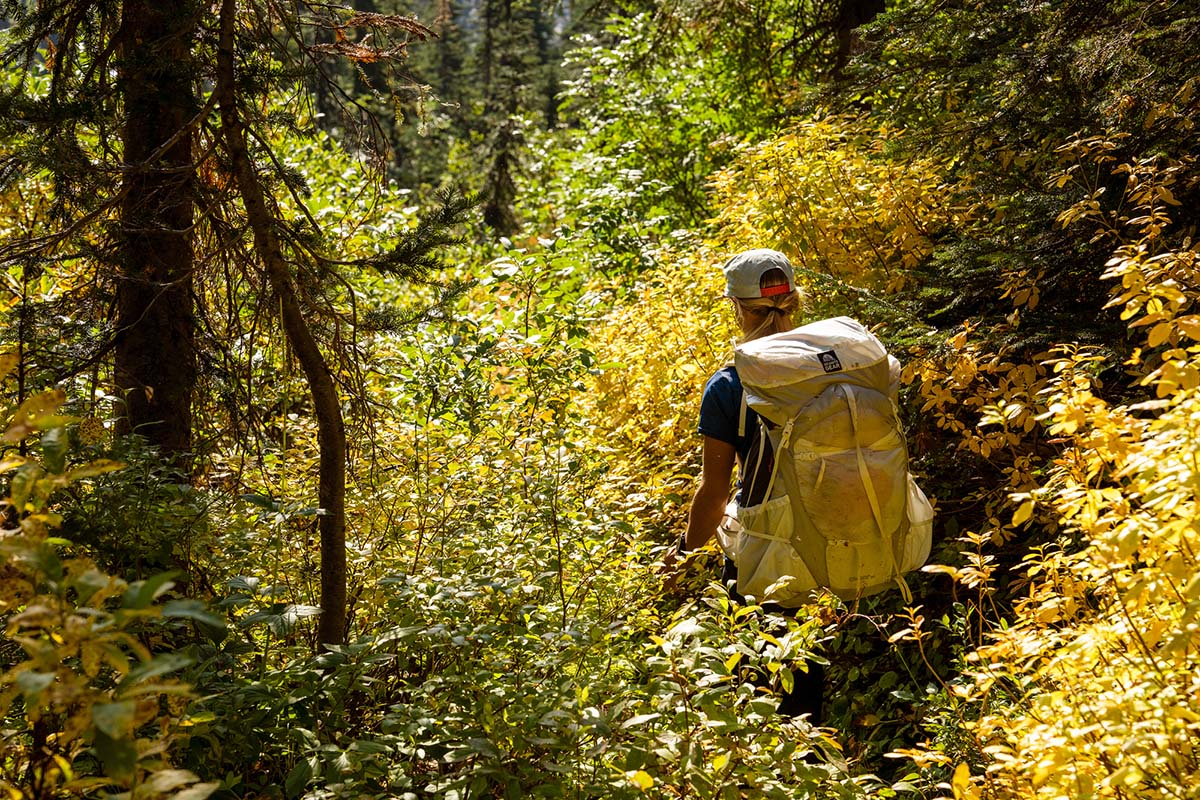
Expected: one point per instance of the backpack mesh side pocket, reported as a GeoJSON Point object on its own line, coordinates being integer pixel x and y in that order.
{"type": "Point", "coordinates": [769, 568]}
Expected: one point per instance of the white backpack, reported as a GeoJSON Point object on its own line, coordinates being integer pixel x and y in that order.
{"type": "Point", "coordinates": [840, 510]}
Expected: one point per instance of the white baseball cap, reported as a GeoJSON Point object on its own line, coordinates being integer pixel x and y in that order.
{"type": "Point", "coordinates": [744, 273]}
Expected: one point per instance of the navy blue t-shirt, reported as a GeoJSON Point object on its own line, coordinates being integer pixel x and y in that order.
{"type": "Point", "coordinates": [719, 410]}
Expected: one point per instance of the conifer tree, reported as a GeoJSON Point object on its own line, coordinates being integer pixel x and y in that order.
{"type": "Point", "coordinates": [126, 155]}
{"type": "Point", "coordinates": [154, 358]}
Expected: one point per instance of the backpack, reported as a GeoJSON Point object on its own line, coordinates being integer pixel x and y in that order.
{"type": "Point", "coordinates": [839, 509]}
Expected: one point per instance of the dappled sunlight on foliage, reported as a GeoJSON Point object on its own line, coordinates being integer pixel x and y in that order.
{"type": "Point", "coordinates": [828, 194]}
{"type": "Point", "coordinates": [1006, 194]}
{"type": "Point", "coordinates": [89, 687]}
{"type": "Point", "coordinates": [1090, 690]}
{"type": "Point", "coordinates": [1093, 686]}
{"type": "Point", "coordinates": [655, 352]}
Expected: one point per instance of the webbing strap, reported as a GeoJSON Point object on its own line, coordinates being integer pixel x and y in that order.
{"type": "Point", "coordinates": [872, 498]}
{"type": "Point", "coordinates": [757, 461]}
{"type": "Point", "coordinates": [783, 443]}
{"type": "Point", "coordinates": [764, 535]}
{"type": "Point", "coordinates": [742, 416]}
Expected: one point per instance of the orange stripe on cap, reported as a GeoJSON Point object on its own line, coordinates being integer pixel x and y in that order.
{"type": "Point", "coordinates": [771, 291]}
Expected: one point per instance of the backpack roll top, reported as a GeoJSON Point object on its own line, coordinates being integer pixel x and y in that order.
{"type": "Point", "coordinates": [829, 346]}
{"type": "Point", "coordinates": [783, 372]}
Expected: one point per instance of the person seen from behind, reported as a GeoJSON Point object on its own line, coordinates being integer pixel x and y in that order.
{"type": "Point", "coordinates": [761, 285]}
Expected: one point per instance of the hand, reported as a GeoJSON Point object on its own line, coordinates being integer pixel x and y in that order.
{"type": "Point", "coordinates": [669, 568]}
{"type": "Point", "coordinates": [670, 560]}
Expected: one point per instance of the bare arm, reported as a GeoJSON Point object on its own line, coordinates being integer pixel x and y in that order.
{"type": "Point", "coordinates": [708, 504]}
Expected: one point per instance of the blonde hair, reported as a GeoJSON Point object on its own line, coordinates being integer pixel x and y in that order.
{"type": "Point", "coordinates": [772, 314]}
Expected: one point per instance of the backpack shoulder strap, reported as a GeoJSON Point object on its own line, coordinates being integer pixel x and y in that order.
{"type": "Point", "coordinates": [764, 442]}
{"type": "Point", "coordinates": [742, 415]}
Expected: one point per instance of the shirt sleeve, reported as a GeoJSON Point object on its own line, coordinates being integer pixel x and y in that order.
{"type": "Point", "coordinates": [719, 408]}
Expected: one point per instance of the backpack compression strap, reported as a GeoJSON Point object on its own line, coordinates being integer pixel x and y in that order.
{"type": "Point", "coordinates": [872, 498]}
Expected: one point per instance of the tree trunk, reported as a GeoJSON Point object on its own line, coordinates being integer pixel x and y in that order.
{"type": "Point", "coordinates": [850, 15]}
{"type": "Point", "coordinates": [502, 78]}
{"type": "Point", "coordinates": [331, 433]}
{"type": "Point", "coordinates": [449, 49]}
{"type": "Point", "coordinates": [324, 102]}
{"type": "Point", "coordinates": [155, 362]}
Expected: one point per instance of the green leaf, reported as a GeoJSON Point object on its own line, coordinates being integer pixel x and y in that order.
{"type": "Point", "coordinates": [159, 665]}
{"type": "Point", "coordinates": [298, 779]}
{"type": "Point", "coordinates": [262, 501]}
{"type": "Point", "coordinates": [282, 618]}
{"type": "Point", "coordinates": [22, 484]}
{"type": "Point", "coordinates": [401, 634]}
{"type": "Point", "coordinates": [212, 625]}
{"type": "Point", "coordinates": [115, 719]}
{"type": "Point", "coordinates": [638, 720]}
{"type": "Point", "coordinates": [483, 747]}
{"type": "Point", "coordinates": [243, 583]}
{"type": "Point", "coordinates": [88, 583]}
{"type": "Point", "coordinates": [787, 680]}
{"type": "Point", "coordinates": [141, 594]}
{"type": "Point", "coordinates": [32, 684]}
{"type": "Point", "coordinates": [55, 443]}
{"type": "Point", "coordinates": [119, 756]}
{"type": "Point", "coordinates": [47, 562]}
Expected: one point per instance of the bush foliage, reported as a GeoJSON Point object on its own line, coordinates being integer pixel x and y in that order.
{"type": "Point", "coordinates": [1006, 194]}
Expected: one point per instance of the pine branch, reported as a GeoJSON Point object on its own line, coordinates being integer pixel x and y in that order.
{"type": "Point", "coordinates": [413, 257]}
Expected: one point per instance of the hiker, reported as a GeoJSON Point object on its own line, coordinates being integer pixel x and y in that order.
{"type": "Point", "coordinates": [761, 285]}
{"type": "Point", "coordinates": [825, 498]}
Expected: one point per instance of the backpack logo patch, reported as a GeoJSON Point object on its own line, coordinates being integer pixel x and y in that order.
{"type": "Point", "coordinates": [829, 361]}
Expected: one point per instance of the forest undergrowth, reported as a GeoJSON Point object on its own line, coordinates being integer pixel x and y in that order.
{"type": "Point", "coordinates": [522, 452]}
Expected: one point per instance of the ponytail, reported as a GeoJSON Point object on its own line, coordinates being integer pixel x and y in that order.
{"type": "Point", "coordinates": [773, 314]}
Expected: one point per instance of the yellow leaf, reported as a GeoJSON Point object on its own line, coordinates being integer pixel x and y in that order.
{"type": "Point", "coordinates": [90, 656]}
{"type": "Point", "coordinates": [1158, 334]}
{"type": "Point", "coordinates": [1023, 513]}
{"type": "Point", "coordinates": [97, 467]}
{"type": "Point", "coordinates": [34, 408]}
{"type": "Point", "coordinates": [720, 761]}
{"type": "Point", "coordinates": [8, 361]}
{"type": "Point", "coordinates": [9, 463]}
{"type": "Point", "coordinates": [1189, 326]}
{"type": "Point", "coordinates": [768, 637]}
{"type": "Point", "coordinates": [961, 783]}
{"type": "Point", "coordinates": [640, 779]}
